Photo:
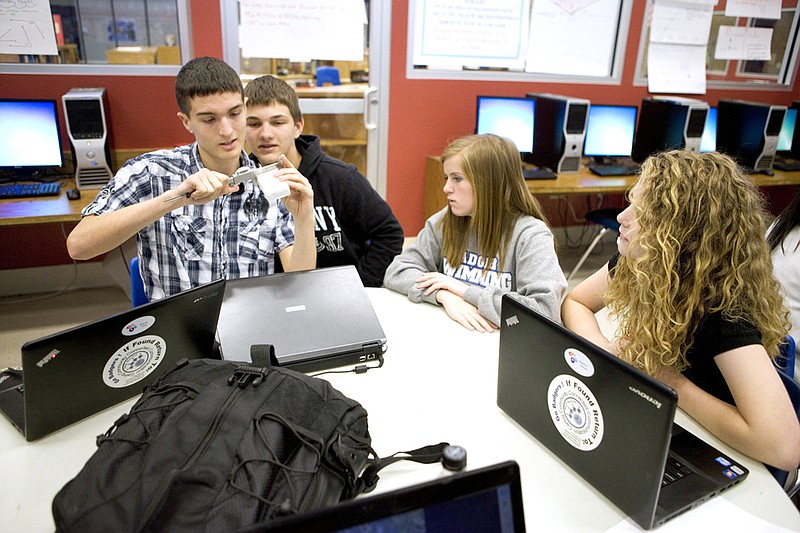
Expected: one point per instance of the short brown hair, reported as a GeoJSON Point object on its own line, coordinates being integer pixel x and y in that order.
{"type": "Point", "coordinates": [267, 90]}
{"type": "Point", "coordinates": [203, 76]}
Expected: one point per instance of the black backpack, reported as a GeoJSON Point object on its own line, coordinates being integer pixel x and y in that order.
{"type": "Point", "coordinates": [214, 445]}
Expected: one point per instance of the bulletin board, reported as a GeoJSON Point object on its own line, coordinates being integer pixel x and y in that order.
{"type": "Point", "coordinates": [724, 43]}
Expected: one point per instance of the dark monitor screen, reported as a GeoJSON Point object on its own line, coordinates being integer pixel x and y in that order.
{"type": "Point", "coordinates": [787, 131]}
{"type": "Point", "coordinates": [29, 134]}
{"type": "Point", "coordinates": [609, 131]}
{"type": "Point", "coordinates": [508, 117]}
{"type": "Point", "coordinates": [708, 142]}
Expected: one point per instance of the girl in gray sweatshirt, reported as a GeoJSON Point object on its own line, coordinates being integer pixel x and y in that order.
{"type": "Point", "coordinates": [491, 239]}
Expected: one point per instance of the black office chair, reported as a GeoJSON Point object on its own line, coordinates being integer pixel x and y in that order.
{"type": "Point", "coordinates": [607, 220]}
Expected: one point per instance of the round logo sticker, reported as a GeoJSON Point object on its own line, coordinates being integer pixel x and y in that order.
{"type": "Point", "coordinates": [134, 361]}
{"type": "Point", "coordinates": [134, 327]}
{"type": "Point", "coordinates": [579, 362]}
{"type": "Point", "coordinates": [575, 412]}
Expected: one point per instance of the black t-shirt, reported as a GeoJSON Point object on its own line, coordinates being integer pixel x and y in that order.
{"type": "Point", "coordinates": [714, 336]}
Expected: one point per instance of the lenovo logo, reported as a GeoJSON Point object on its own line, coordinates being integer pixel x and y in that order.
{"type": "Point", "coordinates": [645, 396]}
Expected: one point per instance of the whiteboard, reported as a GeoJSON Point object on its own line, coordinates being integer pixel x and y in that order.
{"type": "Point", "coordinates": [573, 37]}
{"type": "Point", "coordinates": [474, 34]}
{"type": "Point", "coordinates": [560, 37]}
{"type": "Point", "coordinates": [303, 29]}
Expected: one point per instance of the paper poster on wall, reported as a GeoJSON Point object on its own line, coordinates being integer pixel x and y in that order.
{"type": "Point", "coordinates": [676, 68]}
{"type": "Point", "coordinates": [759, 9]}
{"type": "Point", "coordinates": [736, 42]}
{"type": "Point", "coordinates": [680, 23]}
{"type": "Point", "coordinates": [318, 29]}
{"type": "Point", "coordinates": [453, 33]}
{"type": "Point", "coordinates": [573, 38]}
{"type": "Point", "coordinates": [26, 27]}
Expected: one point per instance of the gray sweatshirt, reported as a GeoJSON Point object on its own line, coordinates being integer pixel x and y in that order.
{"type": "Point", "coordinates": [531, 269]}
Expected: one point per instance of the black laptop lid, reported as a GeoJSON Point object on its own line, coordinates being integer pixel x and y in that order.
{"type": "Point", "coordinates": [78, 372]}
{"type": "Point", "coordinates": [606, 420]}
{"type": "Point", "coordinates": [484, 500]}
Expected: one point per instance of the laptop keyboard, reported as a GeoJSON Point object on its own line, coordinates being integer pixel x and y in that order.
{"type": "Point", "coordinates": [673, 471]}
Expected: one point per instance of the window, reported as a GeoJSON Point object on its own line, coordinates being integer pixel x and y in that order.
{"type": "Point", "coordinates": [518, 40]}
{"type": "Point", "coordinates": [137, 33]}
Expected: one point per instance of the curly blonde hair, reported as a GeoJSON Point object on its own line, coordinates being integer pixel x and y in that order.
{"type": "Point", "coordinates": [493, 167]}
{"type": "Point", "coordinates": [700, 249]}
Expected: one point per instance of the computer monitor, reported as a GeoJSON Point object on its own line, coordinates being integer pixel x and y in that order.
{"type": "Point", "coordinates": [30, 140]}
{"type": "Point", "coordinates": [786, 135]}
{"type": "Point", "coordinates": [609, 131]}
{"type": "Point", "coordinates": [508, 117]}
{"type": "Point", "coordinates": [669, 123]}
{"type": "Point", "coordinates": [708, 142]}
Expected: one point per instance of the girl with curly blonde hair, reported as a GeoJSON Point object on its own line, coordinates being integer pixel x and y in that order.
{"type": "Point", "coordinates": [695, 301]}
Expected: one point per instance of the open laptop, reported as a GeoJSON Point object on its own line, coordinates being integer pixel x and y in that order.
{"type": "Point", "coordinates": [488, 499]}
{"type": "Point", "coordinates": [78, 372]}
{"type": "Point", "coordinates": [609, 422]}
{"type": "Point", "coordinates": [315, 319]}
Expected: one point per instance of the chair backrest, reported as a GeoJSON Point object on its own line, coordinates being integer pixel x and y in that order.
{"type": "Point", "coordinates": [138, 297]}
{"type": "Point", "coordinates": [785, 361]}
{"type": "Point", "coordinates": [790, 481]}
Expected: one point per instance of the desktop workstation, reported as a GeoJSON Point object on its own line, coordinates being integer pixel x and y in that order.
{"type": "Point", "coordinates": [437, 384]}
{"type": "Point", "coordinates": [606, 143]}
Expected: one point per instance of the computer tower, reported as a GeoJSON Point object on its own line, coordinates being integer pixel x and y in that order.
{"type": "Point", "coordinates": [86, 113]}
{"type": "Point", "coordinates": [667, 123]}
{"type": "Point", "coordinates": [749, 131]}
{"type": "Point", "coordinates": [558, 132]}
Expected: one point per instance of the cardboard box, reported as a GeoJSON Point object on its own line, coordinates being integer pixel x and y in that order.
{"type": "Point", "coordinates": [132, 55]}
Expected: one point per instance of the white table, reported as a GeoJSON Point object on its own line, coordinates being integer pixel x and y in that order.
{"type": "Point", "coordinates": [438, 384]}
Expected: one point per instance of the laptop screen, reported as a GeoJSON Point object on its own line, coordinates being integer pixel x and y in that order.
{"type": "Point", "coordinates": [488, 499]}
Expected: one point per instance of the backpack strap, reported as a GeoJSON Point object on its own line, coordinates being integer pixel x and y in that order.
{"type": "Point", "coordinates": [425, 455]}
{"type": "Point", "coordinates": [263, 355]}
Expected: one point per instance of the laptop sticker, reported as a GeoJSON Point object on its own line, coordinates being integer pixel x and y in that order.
{"type": "Point", "coordinates": [134, 361]}
{"type": "Point", "coordinates": [575, 412]}
{"type": "Point", "coordinates": [141, 324]}
{"type": "Point", "coordinates": [579, 362]}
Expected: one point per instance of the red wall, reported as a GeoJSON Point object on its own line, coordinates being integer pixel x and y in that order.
{"type": "Point", "coordinates": [142, 114]}
{"type": "Point", "coordinates": [424, 115]}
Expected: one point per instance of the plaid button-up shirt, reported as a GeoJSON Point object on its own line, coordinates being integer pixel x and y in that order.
{"type": "Point", "coordinates": [235, 236]}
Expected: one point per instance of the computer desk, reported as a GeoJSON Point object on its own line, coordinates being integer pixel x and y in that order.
{"type": "Point", "coordinates": [438, 384]}
{"type": "Point", "coordinates": [45, 209]}
{"type": "Point", "coordinates": [566, 184]}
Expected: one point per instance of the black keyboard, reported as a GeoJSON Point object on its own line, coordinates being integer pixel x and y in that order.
{"type": "Point", "coordinates": [29, 190]}
{"type": "Point", "coordinates": [613, 170]}
{"type": "Point", "coordinates": [540, 173]}
{"type": "Point", "coordinates": [786, 164]}
{"type": "Point", "coordinates": [673, 471]}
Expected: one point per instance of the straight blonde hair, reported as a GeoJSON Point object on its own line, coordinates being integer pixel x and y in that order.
{"type": "Point", "coordinates": [493, 167]}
